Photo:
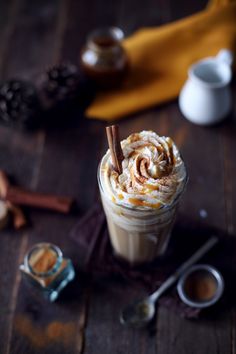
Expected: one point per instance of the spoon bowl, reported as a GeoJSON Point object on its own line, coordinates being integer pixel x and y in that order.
{"type": "Point", "coordinates": [138, 314]}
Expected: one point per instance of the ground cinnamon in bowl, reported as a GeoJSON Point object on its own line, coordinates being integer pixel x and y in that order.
{"type": "Point", "coordinates": [201, 286]}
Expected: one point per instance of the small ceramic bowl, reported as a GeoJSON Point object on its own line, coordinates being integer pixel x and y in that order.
{"type": "Point", "coordinates": [200, 286]}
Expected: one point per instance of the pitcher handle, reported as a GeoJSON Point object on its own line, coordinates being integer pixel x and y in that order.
{"type": "Point", "coordinates": [226, 56]}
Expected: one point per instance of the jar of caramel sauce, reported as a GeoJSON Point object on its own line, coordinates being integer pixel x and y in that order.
{"type": "Point", "coordinates": [103, 59]}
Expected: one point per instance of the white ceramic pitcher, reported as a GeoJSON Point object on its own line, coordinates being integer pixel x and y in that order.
{"type": "Point", "coordinates": [206, 97]}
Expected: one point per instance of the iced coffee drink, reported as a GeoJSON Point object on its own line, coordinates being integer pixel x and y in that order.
{"type": "Point", "coordinates": [140, 200]}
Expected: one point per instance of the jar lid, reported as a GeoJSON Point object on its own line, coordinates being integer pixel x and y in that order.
{"type": "Point", "coordinates": [105, 38]}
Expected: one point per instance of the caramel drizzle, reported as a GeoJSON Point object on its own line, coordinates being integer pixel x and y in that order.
{"type": "Point", "coordinates": [139, 202]}
{"type": "Point", "coordinates": [142, 163]}
{"type": "Point", "coordinates": [139, 175]}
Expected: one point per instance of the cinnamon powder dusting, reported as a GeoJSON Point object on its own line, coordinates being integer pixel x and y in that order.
{"type": "Point", "coordinates": [56, 332]}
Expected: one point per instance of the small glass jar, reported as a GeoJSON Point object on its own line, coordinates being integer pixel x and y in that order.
{"type": "Point", "coordinates": [47, 270]}
{"type": "Point", "coordinates": [103, 59]}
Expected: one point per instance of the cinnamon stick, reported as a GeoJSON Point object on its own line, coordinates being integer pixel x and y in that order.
{"type": "Point", "coordinates": [4, 184]}
{"type": "Point", "coordinates": [20, 196]}
{"type": "Point", "coordinates": [19, 219]}
{"type": "Point", "coordinates": [113, 139]}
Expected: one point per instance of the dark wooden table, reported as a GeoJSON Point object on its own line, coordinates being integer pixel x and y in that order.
{"type": "Point", "coordinates": [34, 35]}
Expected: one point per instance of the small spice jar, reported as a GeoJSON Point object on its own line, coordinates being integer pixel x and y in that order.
{"type": "Point", "coordinates": [47, 270]}
{"type": "Point", "coordinates": [103, 58]}
{"type": "Point", "coordinates": [200, 286]}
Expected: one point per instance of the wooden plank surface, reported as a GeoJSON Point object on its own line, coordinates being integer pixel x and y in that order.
{"type": "Point", "coordinates": [20, 153]}
{"type": "Point", "coordinates": [198, 147]}
{"type": "Point", "coordinates": [34, 35]}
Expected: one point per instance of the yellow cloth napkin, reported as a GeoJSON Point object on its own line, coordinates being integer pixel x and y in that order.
{"type": "Point", "coordinates": [161, 56]}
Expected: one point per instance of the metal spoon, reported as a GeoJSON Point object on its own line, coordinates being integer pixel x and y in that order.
{"type": "Point", "coordinates": [142, 312]}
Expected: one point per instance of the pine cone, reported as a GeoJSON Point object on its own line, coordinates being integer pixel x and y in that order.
{"type": "Point", "coordinates": [64, 83]}
{"type": "Point", "coordinates": [19, 103]}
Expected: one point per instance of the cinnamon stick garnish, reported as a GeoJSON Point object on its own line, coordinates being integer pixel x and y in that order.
{"type": "Point", "coordinates": [113, 139]}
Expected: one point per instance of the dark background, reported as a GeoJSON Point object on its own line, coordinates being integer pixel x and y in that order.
{"type": "Point", "coordinates": [33, 36]}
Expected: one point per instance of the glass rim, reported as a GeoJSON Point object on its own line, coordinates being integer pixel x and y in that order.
{"type": "Point", "coordinates": [54, 268]}
{"type": "Point", "coordinates": [162, 208]}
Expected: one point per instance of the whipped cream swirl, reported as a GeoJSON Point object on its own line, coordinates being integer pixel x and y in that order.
{"type": "Point", "coordinates": [153, 172]}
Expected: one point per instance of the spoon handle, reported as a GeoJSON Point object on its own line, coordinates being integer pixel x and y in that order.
{"type": "Point", "coordinates": [193, 259]}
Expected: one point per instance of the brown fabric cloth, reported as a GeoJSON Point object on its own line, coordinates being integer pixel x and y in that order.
{"type": "Point", "coordinates": [92, 237]}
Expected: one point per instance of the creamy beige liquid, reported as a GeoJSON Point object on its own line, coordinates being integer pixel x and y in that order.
{"type": "Point", "coordinates": [138, 236]}
{"type": "Point", "coordinates": [140, 216]}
